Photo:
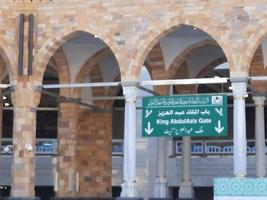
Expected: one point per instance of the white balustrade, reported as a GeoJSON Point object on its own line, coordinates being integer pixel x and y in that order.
{"type": "Point", "coordinates": [49, 146]}
{"type": "Point", "coordinates": [198, 147]}
{"type": "Point", "coordinates": [214, 147]}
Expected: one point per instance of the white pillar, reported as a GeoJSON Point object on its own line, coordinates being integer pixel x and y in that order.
{"type": "Point", "coordinates": [129, 156]}
{"type": "Point", "coordinates": [160, 187]}
{"type": "Point", "coordinates": [186, 187]}
{"type": "Point", "coordinates": [260, 136]}
{"type": "Point", "coordinates": [240, 142]}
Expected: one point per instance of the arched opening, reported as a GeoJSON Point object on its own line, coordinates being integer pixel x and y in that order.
{"type": "Point", "coordinates": [187, 52]}
{"type": "Point", "coordinates": [97, 124]}
{"type": "Point", "coordinates": [6, 126]}
{"type": "Point", "coordinates": [83, 115]}
{"type": "Point", "coordinates": [256, 113]}
{"type": "Point", "coordinates": [46, 132]}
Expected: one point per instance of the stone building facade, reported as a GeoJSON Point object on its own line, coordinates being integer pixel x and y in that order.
{"type": "Point", "coordinates": [130, 32]}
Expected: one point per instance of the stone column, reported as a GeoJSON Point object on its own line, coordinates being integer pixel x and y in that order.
{"type": "Point", "coordinates": [93, 154]}
{"type": "Point", "coordinates": [160, 188]}
{"type": "Point", "coordinates": [25, 101]}
{"type": "Point", "coordinates": [67, 127]}
{"type": "Point", "coordinates": [240, 142]}
{"type": "Point", "coordinates": [260, 136]}
{"type": "Point", "coordinates": [129, 156]}
{"type": "Point", "coordinates": [186, 187]}
{"type": "Point", "coordinates": [160, 185]}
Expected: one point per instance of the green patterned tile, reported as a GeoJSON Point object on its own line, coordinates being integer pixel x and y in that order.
{"type": "Point", "coordinates": [240, 187]}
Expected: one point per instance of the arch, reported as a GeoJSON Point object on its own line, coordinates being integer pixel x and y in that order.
{"type": "Point", "coordinates": [254, 40]}
{"type": "Point", "coordinates": [180, 58]}
{"type": "Point", "coordinates": [156, 67]}
{"type": "Point", "coordinates": [152, 36]}
{"type": "Point", "coordinates": [257, 65]}
{"type": "Point", "coordinates": [182, 73]}
{"type": "Point", "coordinates": [8, 56]}
{"type": "Point", "coordinates": [211, 66]}
{"type": "Point", "coordinates": [155, 63]}
{"type": "Point", "coordinates": [91, 62]}
{"type": "Point", "coordinates": [53, 66]}
{"type": "Point", "coordinates": [3, 70]}
{"type": "Point", "coordinates": [46, 51]}
{"type": "Point", "coordinates": [62, 68]}
{"type": "Point", "coordinates": [92, 69]}
{"type": "Point", "coordinates": [257, 69]}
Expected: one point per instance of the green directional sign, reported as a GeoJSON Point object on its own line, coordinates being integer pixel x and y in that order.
{"type": "Point", "coordinates": [190, 115]}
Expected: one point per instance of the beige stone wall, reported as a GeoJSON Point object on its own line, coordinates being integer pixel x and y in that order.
{"type": "Point", "coordinates": [237, 26]}
{"type": "Point", "coordinates": [84, 143]}
{"type": "Point", "coordinates": [130, 32]}
{"type": "Point", "coordinates": [67, 140]}
{"type": "Point", "coordinates": [25, 102]}
{"type": "Point", "coordinates": [93, 154]}
{"type": "Point", "coordinates": [131, 29]}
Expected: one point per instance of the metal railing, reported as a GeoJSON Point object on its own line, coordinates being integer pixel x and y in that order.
{"type": "Point", "coordinates": [117, 147]}
{"type": "Point", "coordinates": [198, 147]}
{"type": "Point", "coordinates": [214, 147]}
{"type": "Point", "coordinates": [49, 147]}
{"type": "Point", "coordinates": [46, 146]}
{"type": "Point", "coordinates": [43, 146]}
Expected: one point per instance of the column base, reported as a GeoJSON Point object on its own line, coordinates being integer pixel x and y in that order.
{"type": "Point", "coordinates": [160, 188]}
{"type": "Point", "coordinates": [159, 198]}
{"type": "Point", "coordinates": [21, 198]}
{"type": "Point", "coordinates": [186, 190]}
{"type": "Point", "coordinates": [129, 190]}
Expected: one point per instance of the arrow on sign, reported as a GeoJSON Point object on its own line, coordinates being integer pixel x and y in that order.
{"type": "Point", "coordinates": [219, 111]}
{"type": "Point", "coordinates": [149, 130]}
{"type": "Point", "coordinates": [148, 112]}
{"type": "Point", "coordinates": [219, 128]}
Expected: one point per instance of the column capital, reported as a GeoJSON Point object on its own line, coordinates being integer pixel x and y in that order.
{"type": "Point", "coordinates": [25, 95]}
{"type": "Point", "coordinates": [130, 93]}
{"type": "Point", "coordinates": [259, 100]}
{"type": "Point", "coordinates": [239, 89]}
